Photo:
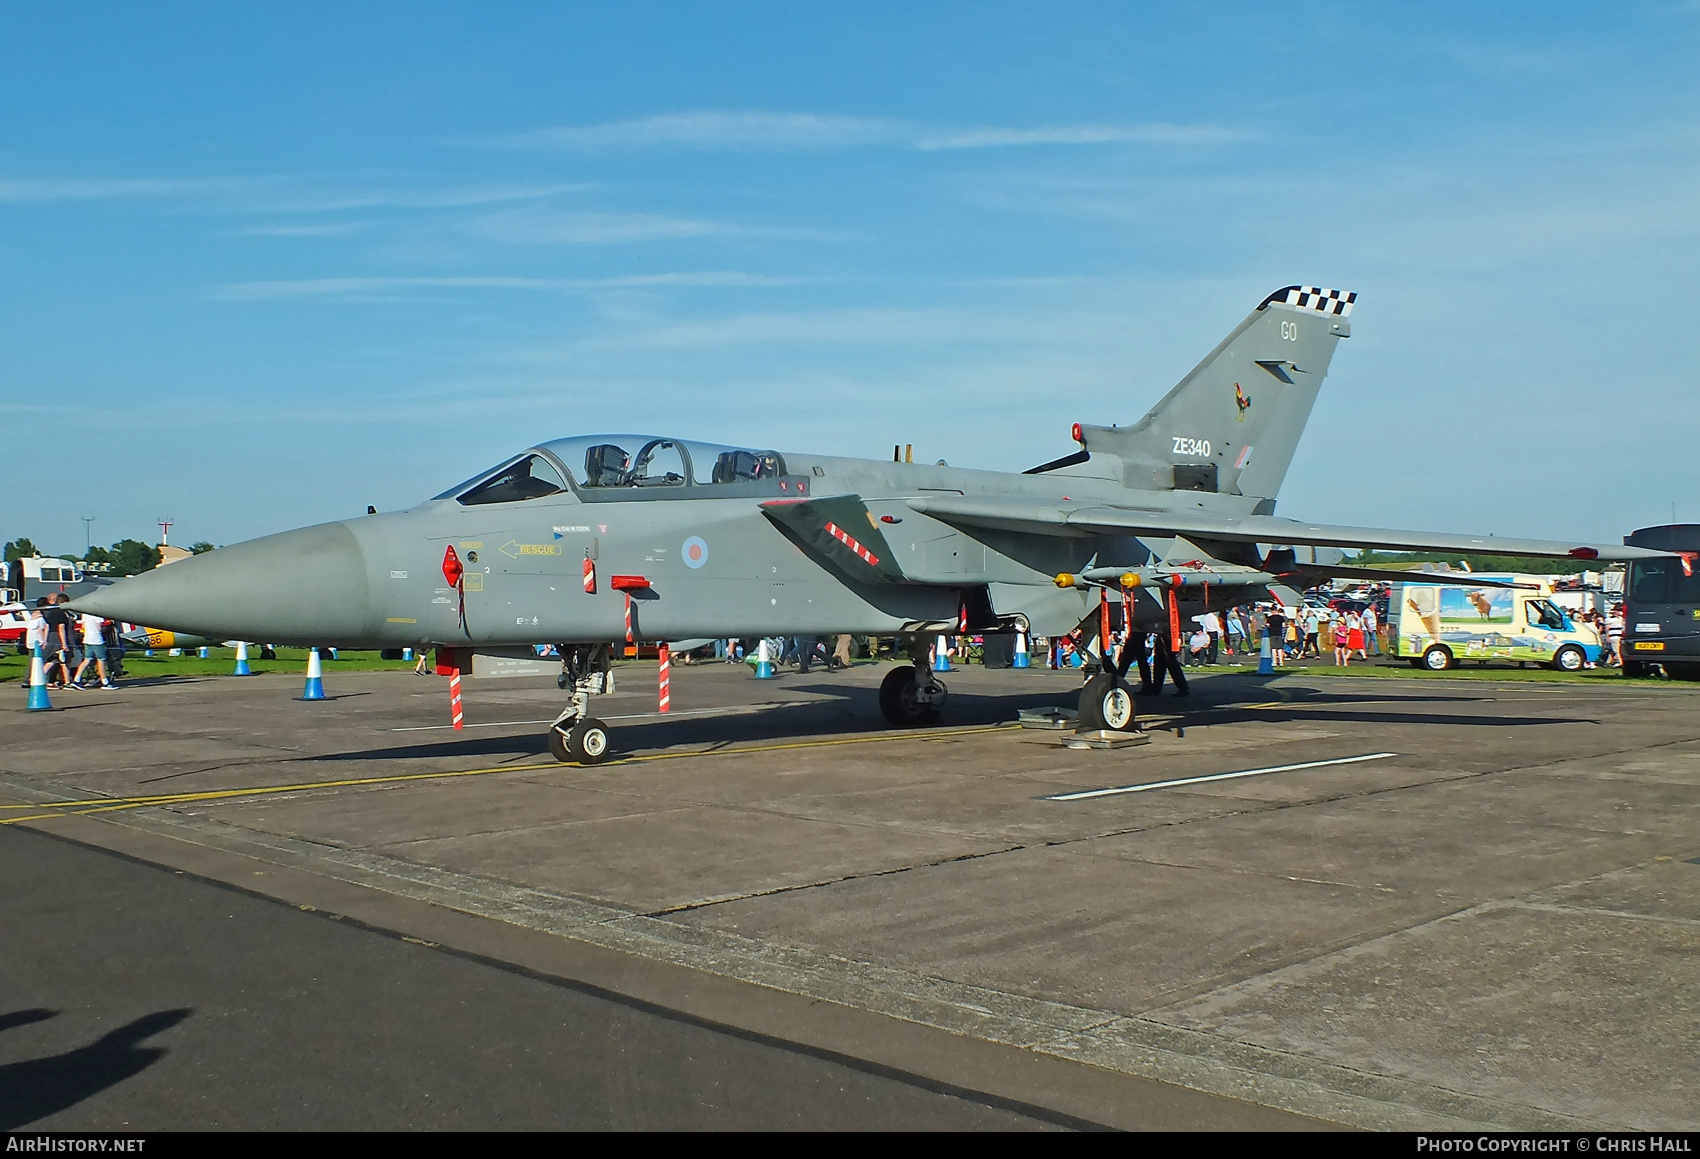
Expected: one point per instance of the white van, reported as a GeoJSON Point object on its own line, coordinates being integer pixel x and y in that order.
{"type": "Point", "coordinates": [1440, 624]}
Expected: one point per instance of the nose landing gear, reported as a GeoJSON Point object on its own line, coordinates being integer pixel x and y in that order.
{"type": "Point", "coordinates": [576, 736]}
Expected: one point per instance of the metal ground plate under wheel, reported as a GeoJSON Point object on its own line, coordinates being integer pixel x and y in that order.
{"type": "Point", "coordinates": [1051, 717]}
{"type": "Point", "coordinates": [1104, 738]}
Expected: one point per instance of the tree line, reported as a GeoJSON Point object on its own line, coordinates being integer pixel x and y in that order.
{"type": "Point", "coordinates": [126, 557]}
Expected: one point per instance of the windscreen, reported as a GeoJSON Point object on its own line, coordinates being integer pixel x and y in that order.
{"type": "Point", "coordinates": [1664, 581]}
{"type": "Point", "coordinates": [532, 477]}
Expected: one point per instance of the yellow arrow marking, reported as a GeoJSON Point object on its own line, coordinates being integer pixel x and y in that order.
{"type": "Point", "coordinates": [519, 549]}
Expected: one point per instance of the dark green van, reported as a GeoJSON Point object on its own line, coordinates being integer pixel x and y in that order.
{"type": "Point", "coordinates": [1661, 608]}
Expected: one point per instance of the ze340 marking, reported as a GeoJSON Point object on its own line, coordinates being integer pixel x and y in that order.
{"type": "Point", "coordinates": [1185, 446]}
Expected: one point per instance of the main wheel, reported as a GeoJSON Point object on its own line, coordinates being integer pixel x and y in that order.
{"type": "Point", "coordinates": [558, 746]}
{"type": "Point", "coordinates": [1569, 659]}
{"type": "Point", "coordinates": [900, 701]}
{"type": "Point", "coordinates": [1438, 658]}
{"type": "Point", "coordinates": [588, 742]}
{"type": "Point", "coordinates": [1106, 702]}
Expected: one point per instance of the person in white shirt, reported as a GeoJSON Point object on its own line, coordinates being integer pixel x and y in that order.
{"type": "Point", "coordinates": [1211, 623]}
{"type": "Point", "coordinates": [1370, 641]}
{"type": "Point", "coordinates": [35, 629]}
{"type": "Point", "coordinates": [94, 651]}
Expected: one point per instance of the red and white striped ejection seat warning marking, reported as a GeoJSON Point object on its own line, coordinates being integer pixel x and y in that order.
{"type": "Point", "coordinates": [849, 541]}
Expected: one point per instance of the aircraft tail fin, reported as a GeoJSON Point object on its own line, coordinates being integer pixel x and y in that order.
{"type": "Point", "coordinates": [1233, 423]}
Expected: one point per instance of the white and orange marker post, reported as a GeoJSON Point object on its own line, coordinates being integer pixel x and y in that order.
{"type": "Point", "coordinates": [455, 713]}
{"type": "Point", "coordinates": [627, 584]}
{"type": "Point", "coordinates": [666, 673]}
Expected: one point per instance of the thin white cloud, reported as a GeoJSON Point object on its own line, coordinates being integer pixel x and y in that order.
{"type": "Point", "coordinates": [331, 197]}
{"type": "Point", "coordinates": [713, 130]}
{"type": "Point", "coordinates": [301, 193]}
{"type": "Point", "coordinates": [320, 229]}
{"type": "Point", "coordinates": [1150, 134]}
{"type": "Point", "coordinates": [530, 227]}
{"type": "Point", "coordinates": [106, 188]}
{"type": "Point", "coordinates": [804, 131]}
{"type": "Point", "coordinates": [855, 326]}
{"type": "Point", "coordinates": [322, 287]}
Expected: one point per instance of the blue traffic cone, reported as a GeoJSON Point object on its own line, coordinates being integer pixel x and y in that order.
{"type": "Point", "coordinates": [241, 660]}
{"type": "Point", "coordinates": [407, 653]}
{"type": "Point", "coordinates": [38, 682]}
{"type": "Point", "coordinates": [1265, 658]}
{"type": "Point", "coordinates": [764, 662]}
{"type": "Point", "coordinates": [315, 678]}
{"type": "Point", "coordinates": [941, 656]}
{"type": "Point", "coordinates": [1021, 660]}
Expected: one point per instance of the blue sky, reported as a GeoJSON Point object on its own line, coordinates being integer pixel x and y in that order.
{"type": "Point", "coordinates": [260, 267]}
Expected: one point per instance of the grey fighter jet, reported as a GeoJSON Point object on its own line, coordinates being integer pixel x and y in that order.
{"type": "Point", "coordinates": [589, 540]}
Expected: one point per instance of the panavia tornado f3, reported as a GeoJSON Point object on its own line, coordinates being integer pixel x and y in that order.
{"type": "Point", "coordinates": [587, 540]}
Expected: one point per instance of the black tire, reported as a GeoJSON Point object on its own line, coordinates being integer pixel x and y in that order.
{"type": "Point", "coordinates": [1438, 658]}
{"type": "Point", "coordinates": [588, 742]}
{"type": "Point", "coordinates": [1107, 703]}
{"type": "Point", "coordinates": [1683, 671]}
{"type": "Point", "coordinates": [898, 703]}
{"type": "Point", "coordinates": [1569, 659]}
{"type": "Point", "coordinates": [1634, 668]}
{"type": "Point", "coordinates": [558, 746]}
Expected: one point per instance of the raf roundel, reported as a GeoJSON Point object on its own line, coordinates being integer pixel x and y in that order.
{"type": "Point", "coordinates": [694, 552]}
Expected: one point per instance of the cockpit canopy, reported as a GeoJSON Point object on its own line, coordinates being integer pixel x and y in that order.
{"type": "Point", "coordinates": [601, 464]}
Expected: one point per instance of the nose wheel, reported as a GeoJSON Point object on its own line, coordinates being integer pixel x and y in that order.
{"type": "Point", "coordinates": [584, 742]}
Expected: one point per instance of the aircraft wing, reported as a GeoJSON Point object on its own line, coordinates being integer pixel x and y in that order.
{"type": "Point", "coordinates": [1048, 517]}
{"type": "Point", "coordinates": [1463, 579]}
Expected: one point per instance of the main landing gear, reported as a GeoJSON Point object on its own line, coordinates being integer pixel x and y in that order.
{"type": "Point", "coordinates": [575, 735]}
{"type": "Point", "coordinates": [1107, 702]}
{"type": "Point", "coordinates": [912, 695]}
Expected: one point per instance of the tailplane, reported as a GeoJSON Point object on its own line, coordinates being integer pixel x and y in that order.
{"type": "Point", "coordinates": [1233, 424]}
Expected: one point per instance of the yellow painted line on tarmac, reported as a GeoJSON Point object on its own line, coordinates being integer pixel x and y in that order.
{"type": "Point", "coordinates": [111, 804]}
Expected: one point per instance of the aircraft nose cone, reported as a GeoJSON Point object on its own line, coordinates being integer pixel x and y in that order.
{"type": "Point", "coordinates": [301, 587]}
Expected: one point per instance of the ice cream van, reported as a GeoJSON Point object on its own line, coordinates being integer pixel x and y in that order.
{"type": "Point", "coordinates": [1441, 624]}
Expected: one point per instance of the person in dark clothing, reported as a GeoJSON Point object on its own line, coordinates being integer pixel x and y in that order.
{"type": "Point", "coordinates": [1166, 662]}
{"type": "Point", "coordinates": [1137, 649]}
{"type": "Point", "coordinates": [1278, 635]}
{"type": "Point", "coordinates": [59, 649]}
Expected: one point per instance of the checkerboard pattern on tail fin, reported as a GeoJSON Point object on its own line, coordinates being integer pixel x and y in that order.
{"type": "Point", "coordinates": [1336, 302]}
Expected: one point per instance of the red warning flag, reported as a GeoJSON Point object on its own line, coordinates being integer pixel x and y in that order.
{"type": "Point", "coordinates": [452, 569]}
{"type": "Point", "coordinates": [589, 575]}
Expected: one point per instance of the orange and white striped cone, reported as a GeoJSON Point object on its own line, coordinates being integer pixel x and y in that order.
{"type": "Point", "coordinates": [454, 698]}
{"type": "Point", "coordinates": [666, 672]}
